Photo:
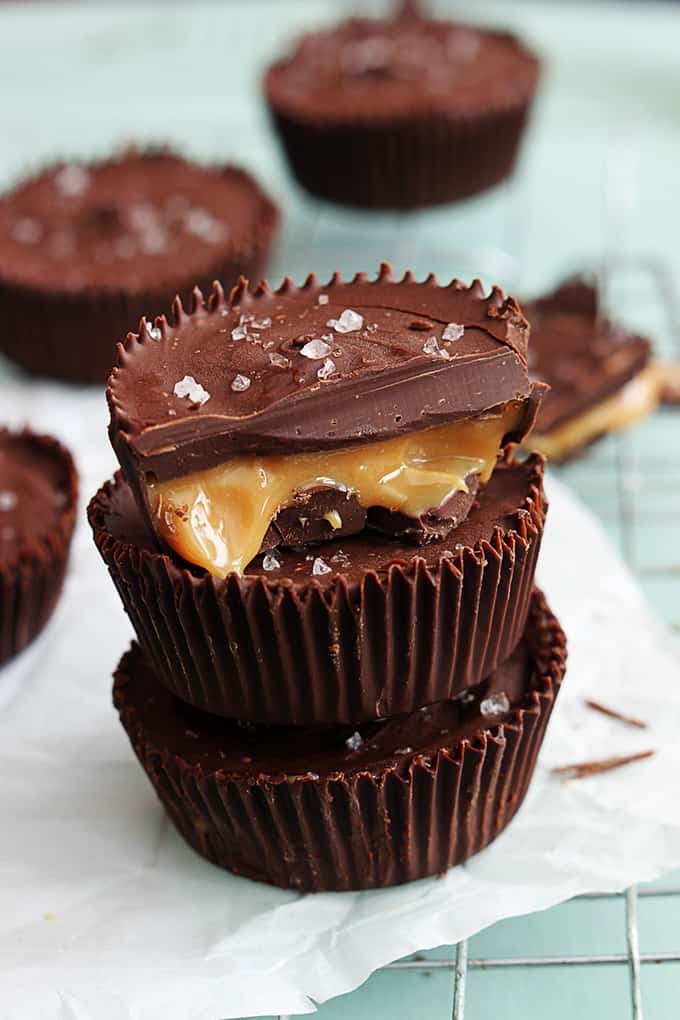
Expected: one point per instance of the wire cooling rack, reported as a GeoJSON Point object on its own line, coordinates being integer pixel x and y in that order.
{"type": "Point", "coordinates": [461, 964]}
{"type": "Point", "coordinates": [620, 479]}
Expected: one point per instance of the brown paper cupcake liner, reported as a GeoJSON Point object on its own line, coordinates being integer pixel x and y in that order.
{"type": "Point", "coordinates": [73, 336]}
{"type": "Point", "coordinates": [32, 579]}
{"type": "Point", "coordinates": [404, 163]}
{"type": "Point", "coordinates": [382, 824]}
{"type": "Point", "coordinates": [335, 649]}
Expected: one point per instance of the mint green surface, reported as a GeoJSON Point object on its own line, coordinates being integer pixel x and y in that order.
{"type": "Point", "coordinates": [598, 182]}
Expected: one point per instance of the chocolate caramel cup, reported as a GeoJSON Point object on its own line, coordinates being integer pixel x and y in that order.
{"type": "Point", "coordinates": [38, 494]}
{"type": "Point", "coordinates": [403, 112]}
{"type": "Point", "coordinates": [340, 632]}
{"type": "Point", "coordinates": [86, 251]}
{"type": "Point", "coordinates": [600, 376]}
{"type": "Point", "coordinates": [331, 809]}
{"type": "Point", "coordinates": [249, 374]}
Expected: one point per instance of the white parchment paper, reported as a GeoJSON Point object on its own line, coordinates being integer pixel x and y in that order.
{"type": "Point", "coordinates": [106, 915]}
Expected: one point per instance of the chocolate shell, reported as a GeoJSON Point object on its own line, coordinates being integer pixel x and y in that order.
{"type": "Point", "coordinates": [331, 809]}
{"type": "Point", "coordinates": [343, 632]}
{"type": "Point", "coordinates": [38, 495]}
{"type": "Point", "coordinates": [86, 251]}
{"type": "Point", "coordinates": [403, 112]}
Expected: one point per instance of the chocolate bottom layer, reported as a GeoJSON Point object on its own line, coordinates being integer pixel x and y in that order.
{"type": "Point", "coordinates": [308, 518]}
{"type": "Point", "coordinates": [343, 632]}
{"type": "Point", "coordinates": [332, 809]}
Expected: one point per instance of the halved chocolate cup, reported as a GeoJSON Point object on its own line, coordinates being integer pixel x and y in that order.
{"type": "Point", "coordinates": [342, 632]}
{"type": "Point", "coordinates": [38, 495]}
{"type": "Point", "coordinates": [329, 809]}
{"type": "Point", "coordinates": [601, 377]}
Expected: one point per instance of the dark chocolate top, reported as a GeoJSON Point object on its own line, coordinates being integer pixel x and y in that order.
{"type": "Point", "coordinates": [243, 751]}
{"type": "Point", "coordinates": [398, 67]}
{"type": "Point", "coordinates": [137, 222]}
{"type": "Point", "coordinates": [280, 372]}
{"type": "Point", "coordinates": [512, 501]}
{"type": "Point", "coordinates": [36, 489]}
{"type": "Point", "coordinates": [583, 358]}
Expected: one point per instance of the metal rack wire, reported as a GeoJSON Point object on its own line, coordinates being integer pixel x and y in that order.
{"type": "Point", "coordinates": [461, 963]}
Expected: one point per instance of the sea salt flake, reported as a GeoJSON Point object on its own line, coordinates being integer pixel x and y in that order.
{"type": "Point", "coordinates": [72, 180]}
{"type": "Point", "coordinates": [404, 750]}
{"type": "Point", "coordinates": [322, 299]}
{"type": "Point", "coordinates": [239, 332]}
{"type": "Point", "coordinates": [142, 216]}
{"type": "Point", "coordinates": [270, 562]}
{"type": "Point", "coordinates": [27, 230]}
{"type": "Point", "coordinates": [260, 323]}
{"type": "Point", "coordinates": [326, 369]}
{"type": "Point", "coordinates": [8, 500]}
{"type": "Point", "coordinates": [495, 705]}
{"type": "Point", "coordinates": [188, 387]}
{"type": "Point", "coordinates": [320, 566]}
{"type": "Point", "coordinates": [431, 346]}
{"type": "Point", "coordinates": [315, 349]}
{"type": "Point", "coordinates": [203, 224]}
{"type": "Point", "coordinates": [354, 742]}
{"type": "Point", "coordinates": [453, 331]}
{"type": "Point", "coordinates": [349, 322]}
{"type": "Point", "coordinates": [154, 332]}
{"type": "Point", "coordinates": [240, 383]}
{"type": "Point", "coordinates": [153, 241]}
{"type": "Point", "coordinates": [279, 360]}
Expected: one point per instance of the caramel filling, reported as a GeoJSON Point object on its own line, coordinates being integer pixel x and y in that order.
{"type": "Point", "coordinates": [633, 401]}
{"type": "Point", "coordinates": [217, 518]}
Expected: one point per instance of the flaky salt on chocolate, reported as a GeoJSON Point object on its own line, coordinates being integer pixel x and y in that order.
{"type": "Point", "coordinates": [399, 430]}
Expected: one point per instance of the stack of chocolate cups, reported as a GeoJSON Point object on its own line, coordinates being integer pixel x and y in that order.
{"type": "Point", "coordinates": [343, 672]}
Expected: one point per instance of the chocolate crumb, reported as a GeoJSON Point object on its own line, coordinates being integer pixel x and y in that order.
{"type": "Point", "coordinates": [629, 720]}
{"type": "Point", "coordinates": [582, 770]}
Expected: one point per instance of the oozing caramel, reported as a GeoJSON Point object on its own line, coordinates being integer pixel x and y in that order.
{"type": "Point", "coordinates": [218, 518]}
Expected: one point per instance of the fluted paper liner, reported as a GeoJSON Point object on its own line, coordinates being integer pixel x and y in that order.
{"type": "Point", "coordinates": [317, 650]}
{"type": "Point", "coordinates": [376, 826]}
{"type": "Point", "coordinates": [403, 164]}
{"type": "Point", "coordinates": [32, 578]}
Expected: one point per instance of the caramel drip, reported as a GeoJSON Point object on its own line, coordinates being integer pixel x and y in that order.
{"type": "Point", "coordinates": [217, 518]}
